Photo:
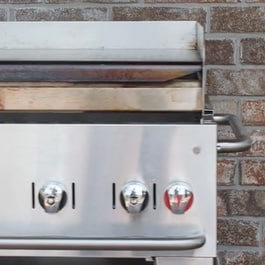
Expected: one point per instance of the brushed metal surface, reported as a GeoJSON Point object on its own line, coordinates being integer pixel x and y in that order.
{"type": "Point", "coordinates": [93, 55]}
{"type": "Point", "coordinates": [96, 156]}
{"type": "Point", "coordinates": [99, 41]}
{"type": "Point", "coordinates": [113, 244]}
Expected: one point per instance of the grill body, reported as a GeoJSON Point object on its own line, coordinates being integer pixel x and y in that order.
{"type": "Point", "coordinates": [108, 144]}
{"type": "Point", "coordinates": [94, 162]}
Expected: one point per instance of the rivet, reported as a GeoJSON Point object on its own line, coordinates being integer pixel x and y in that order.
{"type": "Point", "coordinates": [196, 150]}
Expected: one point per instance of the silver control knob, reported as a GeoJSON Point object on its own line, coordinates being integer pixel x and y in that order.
{"type": "Point", "coordinates": [52, 197]}
{"type": "Point", "coordinates": [178, 197]}
{"type": "Point", "coordinates": [134, 197]}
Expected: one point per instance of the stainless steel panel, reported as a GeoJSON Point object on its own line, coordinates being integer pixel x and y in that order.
{"type": "Point", "coordinates": [100, 41]}
{"type": "Point", "coordinates": [90, 55]}
{"type": "Point", "coordinates": [103, 244]}
{"type": "Point", "coordinates": [96, 156]}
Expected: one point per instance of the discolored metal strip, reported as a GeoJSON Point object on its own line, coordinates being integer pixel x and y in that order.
{"type": "Point", "coordinates": [171, 96]}
{"type": "Point", "coordinates": [80, 72]}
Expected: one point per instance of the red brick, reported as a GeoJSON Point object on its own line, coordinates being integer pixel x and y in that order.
{"type": "Point", "coordinates": [225, 132]}
{"type": "Point", "coordinates": [263, 239]}
{"type": "Point", "coordinates": [237, 232]}
{"type": "Point", "coordinates": [253, 51]}
{"type": "Point", "coordinates": [253, 112]}
{"type": "Point", "coordinates": [219, 52]}
{"type": "Point", "coordinates": [61, 14]}
{"type": "Point", "coordinates": [258, 143]}
{"type": "Point", "coordinates": [263, 258]}
{"type": "Point", "coordinates": [255, 1]}
{"type": "Point", "coordinates": [3, 14]}
{"type": "Point", "coordinates": [226, 172]}
{"type": "Point", "coordinates": [20, 1]}
{"type": "Point", "coordinates": [252, 172]}
{"type": "Point", "coordinates": [221, 105]}
{"type": "Point", "coordinates": [240, 258]}
{"type": "Point", "coordinates": [159, 13]}
{"type": "Point", "coordinates": [243, 202]}
{"type": "Point", "coordinates": [237, 19]}
{"type": "Point", "coordinates": [222, 209]}
{"type": "Point", "coordinates": [233, 82]}
{"type": "Point", "coordinates": [191, 1]}
{"type": "Point", "coordinates": [90, 1]}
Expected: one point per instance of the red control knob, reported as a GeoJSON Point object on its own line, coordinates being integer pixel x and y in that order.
{"type": "Point", "coordinates": [178, 197]}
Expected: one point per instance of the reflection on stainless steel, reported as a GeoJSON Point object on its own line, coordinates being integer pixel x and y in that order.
{"type": "Point", "coordinates": [105, 244]}
{"type": "Point", "coordinates": [134, 197]}
{"type": "Point", "coordinates": [52, 197]}
{"type": "Point", "coordinates": [178, 197]}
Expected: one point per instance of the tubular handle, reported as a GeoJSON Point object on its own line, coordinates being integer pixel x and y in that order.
{"type": "Point", "coordinates": [102, 244]}
{"type": "Point", "coordinates": [242, 141]}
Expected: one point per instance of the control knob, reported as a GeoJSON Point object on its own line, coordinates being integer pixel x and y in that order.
{"type": "Point", "coordinates": [178, 197]}
{"type": "Point", "coordinates": [134, 197]}
{"type": "Point", "coordinates": [52, 197]}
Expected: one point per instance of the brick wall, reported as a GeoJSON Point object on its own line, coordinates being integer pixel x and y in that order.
{"type": "Point", "coordinates": [235, 80]}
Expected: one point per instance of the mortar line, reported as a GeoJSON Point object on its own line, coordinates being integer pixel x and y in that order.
{"type": "Point", "coordinates": [230, 248]}
{"type": "Point", "coordinates": [109, 14]}
{"type": "Point", "coordinates": [208, 20]}
{"type": "Point", "coordinates": [234, 67]}
{"type": "Point", "coordinates": [8, 14]}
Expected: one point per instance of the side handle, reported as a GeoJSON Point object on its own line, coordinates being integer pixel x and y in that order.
{"type": "Point", "coordinates": [242, 141]}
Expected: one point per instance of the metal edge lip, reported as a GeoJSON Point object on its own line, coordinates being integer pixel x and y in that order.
{"type": "Point", "coordinates": [104, 244]}
{"type": "Point", "coordinates": [94, 55]}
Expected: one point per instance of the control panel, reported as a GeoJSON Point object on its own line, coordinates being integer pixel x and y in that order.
{"type": "Point", "coordinates": [134, 197]}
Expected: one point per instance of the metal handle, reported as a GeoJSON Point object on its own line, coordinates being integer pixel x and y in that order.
{"type": "Point", "coordinates": [242, 141]}
{"type": "Point", "coordinates": [103, 244]}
